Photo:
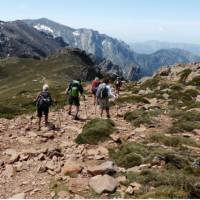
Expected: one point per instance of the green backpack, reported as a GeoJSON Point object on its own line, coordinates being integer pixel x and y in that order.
{"type": "Point", "coordinates": [75, 89]}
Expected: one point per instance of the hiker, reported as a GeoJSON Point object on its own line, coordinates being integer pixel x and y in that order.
{"type": "Point", "coordinates": [118, 84]}
{"type": "Point", "coordinates": [73, 91]}
{"type": "Point", "coordinates": [103, 94]}
{"type": "Point", "coordinates": [43, 102]}
{"type": "Point", "coordinates": [95, 85]}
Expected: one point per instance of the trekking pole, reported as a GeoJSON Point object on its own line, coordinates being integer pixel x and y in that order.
{"type": "Point", "coordinates": [58, 112]}
{"type": "Point", "coordinates": [95, 108]}
{"type": "Point", "coordinates": [85, 108]}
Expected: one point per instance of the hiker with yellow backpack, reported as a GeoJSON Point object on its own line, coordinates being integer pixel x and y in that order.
{"type": "Point", "coordinates": [74, 90]}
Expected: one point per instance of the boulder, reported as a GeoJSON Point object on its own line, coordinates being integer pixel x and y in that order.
{"type": "Point", "coordinates": [14, 155]}
{"type": "Point", "coordinates": [107, 167]}
{"type": "Point", "coordinates": [103, 183]}
{"type": "Point", "coordinates": [9, 171]}
{"type": "Point", "coordinates": [71, 167]}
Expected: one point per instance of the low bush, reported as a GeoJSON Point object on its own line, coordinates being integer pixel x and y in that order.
{"type": "Point", "coordinates": [173, 141]}
{"type": "Point", "coordinates": [128, 155]}
{"type": "Point", "coordinates": [185, 121]}
{"type": "Point", "coordinates": [95, 131]}
{"type": "Point", "coordinates": [138, 117]}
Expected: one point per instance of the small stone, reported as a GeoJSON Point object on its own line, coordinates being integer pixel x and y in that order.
{"type": "Point", "coordinates": [107, 167]}
{"type": "Point", "coordinates": [14, 155]}
{"type": "Point", "coordinates": [121, 179]}
{"type": "Point", "coordinates": [50, 165]}
{"type": "Point", "coordinates": [103, 183]}
{"type": "Point", "coordinates": [53, 194]}
{"type": "Point", "coordinates": [9, 171]}
{"type": "Point", "coordinates": [77, 185]}
{"type": "Point", "coordinates": [42, 169]}
{"type": "Point", "coordinates": [19, 196]}
{"type": "Point", "coordinates": [129, 190]}
{"type": "Point", "coordinates": [24, 140]}
{"type": "Point", "coordinates": [41, 156]}
{"type": "Point", "coordinates": [71, 167]}
{"type": "Point", "coordinates": [49, 135]}
{"type": "Point", "coordinates": [136, 186]}
{"type": "Point", "coordinates": [63, 195]}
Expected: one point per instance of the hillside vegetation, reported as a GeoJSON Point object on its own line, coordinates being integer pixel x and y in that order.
{"type": "Point", "coordinates": [149, 149]}
{"type": "Point", "coordinates": [21, 79]}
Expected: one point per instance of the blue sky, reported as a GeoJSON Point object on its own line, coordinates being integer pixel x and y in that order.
{"type": "Point", "coordinates": [128, 20]}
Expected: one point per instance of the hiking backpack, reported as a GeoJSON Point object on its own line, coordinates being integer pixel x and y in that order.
{"type": "Point", "coordinates": [74, 91]}
{"type": "Point", "coordinates": [44, 100]}
{"type": "Point", "coordinates": [102, 93]}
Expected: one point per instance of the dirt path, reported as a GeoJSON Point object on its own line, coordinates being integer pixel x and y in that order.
{"type": "Point", "coordinates": [23, 176]}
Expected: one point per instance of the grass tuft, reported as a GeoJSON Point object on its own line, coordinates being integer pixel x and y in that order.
{"type": "Point", "coordinates": [95, 131]}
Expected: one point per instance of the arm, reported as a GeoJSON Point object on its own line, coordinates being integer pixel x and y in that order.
{"type": "Point", "coordinates": [110, 93]}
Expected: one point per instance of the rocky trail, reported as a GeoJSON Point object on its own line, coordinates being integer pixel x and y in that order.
{"type": "Point", "coordinates": [49, 164]}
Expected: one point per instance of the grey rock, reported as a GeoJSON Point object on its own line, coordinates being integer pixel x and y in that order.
{"type": "Point", "coordinates": [103, 183]}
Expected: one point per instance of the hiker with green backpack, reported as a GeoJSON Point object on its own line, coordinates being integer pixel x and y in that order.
{"type": "Point", "coordinates": [74, 90]}
{"type": "Point", "coordinates": [104, 93]}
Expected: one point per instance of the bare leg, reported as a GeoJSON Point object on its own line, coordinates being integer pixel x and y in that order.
{"type": "Point", "coordinates": [46, 120]}
{"type": "Point", "coordinates": [95, 100]}
{"type": "Point", "coordinates": [77, 110]}
{"type": "Point", "coordinates": [101, 113]}
{"type": "Point", "coordinates": [108, 113]}
{"type": "Point", "coordinates": [70, 109]}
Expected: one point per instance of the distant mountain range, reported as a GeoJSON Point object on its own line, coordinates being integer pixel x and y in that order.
{"type": "Point", "coordinates": [43, 37]}
{"type": "Point", "coordinates": [152, 46]}
{"type": "Point", "coordinates": [134, 65]}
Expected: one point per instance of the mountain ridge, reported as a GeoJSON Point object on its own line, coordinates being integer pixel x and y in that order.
{"type": "Point", "coordinates": [104, 46]}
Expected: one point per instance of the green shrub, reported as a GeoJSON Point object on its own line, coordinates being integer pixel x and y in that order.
{"type": "Point", "coordinates": [184, 75]}
{"type": "Point", "coordinates": [128, 155]}
{"type": "Point", "coordinates": [95, 131]}
{"type": "Point", "coordinates": [138, 117]}
{"type": "Point", "coordinates": [166, 192]}
{"type": "Point", "coordinates": [185, 121]}
{"type": "Point", "coordinates": [195, 81]}
{"type": "Point", "coordinates": [151, 83]}
{"type": "Point", "coordinates": [173, 141]}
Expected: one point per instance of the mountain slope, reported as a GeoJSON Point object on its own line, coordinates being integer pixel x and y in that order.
{"type": "Point", "coordinates": [150, 47]}
{"type": "Point", "coordinates": [134, 65]}
{"type": "Point", "coordinates": [19, 39]}
{"type": "Point", "coordinates": [150, 63]}
{"type": "Point", "coordinates": [18, 74]}
{"type": "Point", "coordinates": [100, 45]}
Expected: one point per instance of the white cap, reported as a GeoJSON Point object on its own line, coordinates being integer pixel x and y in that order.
{"type": "Point", "coordinates": [45, 87]}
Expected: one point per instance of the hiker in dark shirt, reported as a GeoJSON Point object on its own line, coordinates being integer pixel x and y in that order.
{"type": "Point", "coordinates": [43, 102]}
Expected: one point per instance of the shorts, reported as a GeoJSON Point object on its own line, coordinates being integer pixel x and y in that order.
{"type": "Point", "coordinates": [74, 101]}
{"type": "Point", "coordinates": [41, 111]}
{"type": "Point", "coordinates": [94, 91]}
{"type": "Point", "coordinates": [104, 104]}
